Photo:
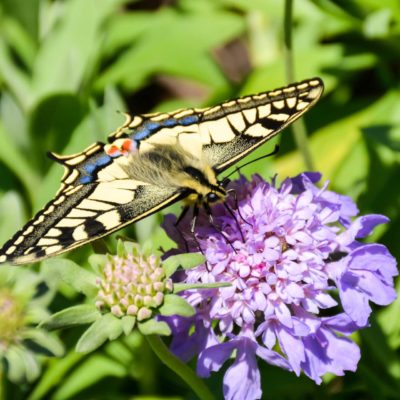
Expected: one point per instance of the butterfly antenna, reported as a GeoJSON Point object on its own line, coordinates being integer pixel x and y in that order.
{"type": "Point", "coordinates": [237, 169]}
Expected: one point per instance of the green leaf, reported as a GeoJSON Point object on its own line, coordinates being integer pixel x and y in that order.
{"type": "Point", "coordinates": [19, 40]}
{"type": "Point", "coordinates": [121, 251]}
{"type": "Point", "coordinates": [15, 365]}
{"type": "Point", "coordinates": [26, 13]}
{"type": "Point", "coordinates": [18, 163]}
{"type": "Point", "coordinates": [97, 262]}
{"type": "Point", "coordinates": [179, 47]}
{"type": "Point", "coordinates": [71, 273]}
{"type": "Point", "coordinates": [49, 344]}
{"type": "Point", "coordinates": [128, 323]}
{"type": "Point", "coordinates": [16, 79]}
{"type": "Point", "coordinates": [93, 369]}
{"type": "Point", "coordinates": [54, 375]}
{"type": "Point", "coordinates": [72, 316]}
{"type": "Point", "coordinates": [108, 327]}
{"type": "Point", "coordinates": [152, 327]}
{"type": "Point", "coordinates": [51, 122]}
{"type": "Point", "coordinates": [12, 214]}
{"type": "Point", "coordinates": [176, 305]}
{"type": "Point", "coordinates": [186, 261]}
{"type": "Point", "coordinates": [80, 34]}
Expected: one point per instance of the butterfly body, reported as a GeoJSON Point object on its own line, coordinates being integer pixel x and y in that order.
{"type": "Point", "coordinates": [152, 161]}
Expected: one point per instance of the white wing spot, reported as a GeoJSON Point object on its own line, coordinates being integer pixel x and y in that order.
{"type": "Point", "coordinates": [28, 230]}
{"type": "Point", "coordinates": [279, 117]}
{"type": "Point", "coordinates": [264, 111]}
{"type": "Point", "coordinates": [95, 205]}
{"type": "Point", "coordinates": [69, 222]}
{"type": "Point", "coordinates": [10, 250]}
{"type": "Point", "coordinates": [47, 242]}
{"type": "Point", "coordinates": [110, 219]}
{"type": "Point", "coordinates": [72, 177]}
{"type": "Point", "coordinates": [257, 130]}
{"type": "Point", "coordinates": [80, 233]}
{"type": "Point", "coordinates": [39, 220]}
{"type": "Point", "coordinates": [19, 240]}
{"type": "Point", "coordinates": [301, 106]}
{"type": "Point", "coordinates": [77, 213]}
{"type": "Point", "coordinates": [237, 121]}
{"type": "Point", "coordinates": [220, 131]}
{"type": "Point", "coordinates": [59, 200]}
{"type": "Point", "coordinates": [76, 160]}
{"type": "Point", "coordinates": [53, 249]}
{"type": "Point", "coordinates": [279, 104]}
{"type": "Point", "coordinates": [54, 232]}
{"type": "Point", "coordinates": [291, 102]}
{"type": "Point", "coordinates": [107, 192]}
{"type": "Point", "coordinates": [250, 115]}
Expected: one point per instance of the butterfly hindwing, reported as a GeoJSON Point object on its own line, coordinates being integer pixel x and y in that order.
{"type": "Point", "coordinates": [82, 212]}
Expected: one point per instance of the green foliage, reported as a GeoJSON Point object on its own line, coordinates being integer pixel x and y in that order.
{"type": "Point", "coordinates": [68, 66]}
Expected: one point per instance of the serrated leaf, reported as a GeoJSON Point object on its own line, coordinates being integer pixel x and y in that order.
{"type": "Point", "coordinates": [72, 316]}
{"type": "Point", "coordinates": [152, 327]}
{"type": "Point", "coordinates": [108, 327]}
{"type": "Point", "coordinates": [176, 305]}
{"type": "Point", "coordinates": [71, 273]}
{"type": "Point", "coordinates": [186, 261]}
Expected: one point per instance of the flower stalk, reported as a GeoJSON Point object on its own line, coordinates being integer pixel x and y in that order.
{"type": "Point", "coordinates": [181, 369]}
{"type": "Point", "coordinates": [299, 128]}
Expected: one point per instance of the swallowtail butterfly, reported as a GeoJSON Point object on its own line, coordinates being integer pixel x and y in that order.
{"type": "Point", "coordinates": [151, 161]}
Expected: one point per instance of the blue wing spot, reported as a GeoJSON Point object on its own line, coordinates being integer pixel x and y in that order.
{"type": "Point", "coordinates": [153, 126]}
{"type": "Point", "coordinates": [188, 120]}
{"type": "Point", "coordinates": [142, 134]}
{"type": "Point", "coordinates": [170, 122]}
{"type": "Point", "coordinates": [103, 160]}
{"type": "Point", "coordinates": [89, 168]}
{"type": "Point", "coordinates": [86, 179]}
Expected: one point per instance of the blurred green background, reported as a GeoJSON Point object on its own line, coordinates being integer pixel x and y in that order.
{"type": "Point", "coordinates": [68, 66]}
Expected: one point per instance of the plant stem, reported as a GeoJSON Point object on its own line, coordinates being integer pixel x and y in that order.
{"type": "Point", "coordinates": [299, 128]}
{"type": "Point", "coordinates": [2, 382]}
{"type": "Point", "coordinates": [176, 365]}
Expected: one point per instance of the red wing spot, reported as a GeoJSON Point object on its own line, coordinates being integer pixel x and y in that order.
{"type": "Point", "coordinates": [127, 146]}
{"type": "Point", "coordinates": [113, 150]}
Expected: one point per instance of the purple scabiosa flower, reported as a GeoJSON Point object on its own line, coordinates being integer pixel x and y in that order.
{"type": "Point", "coordinates": [301, 248]}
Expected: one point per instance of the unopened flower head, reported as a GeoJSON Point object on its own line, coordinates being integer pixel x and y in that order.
{"type": "Point", "coordinates": [286, 252]}
{"type": "Point", "coordinates": [133, 284]}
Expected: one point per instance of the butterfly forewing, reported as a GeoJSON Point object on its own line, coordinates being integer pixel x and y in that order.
{"type": "Point", "coordinates": [101, 193]}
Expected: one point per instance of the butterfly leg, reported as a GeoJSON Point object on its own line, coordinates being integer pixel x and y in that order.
{"type": "Point", "coordinates": [237, 206]}
{"type": "Point", "coordinates": [177, 222]}
{"type": "Point", "coordinates": [235, 219]}
{"type": "Point", "coordinates": [211, 219]}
